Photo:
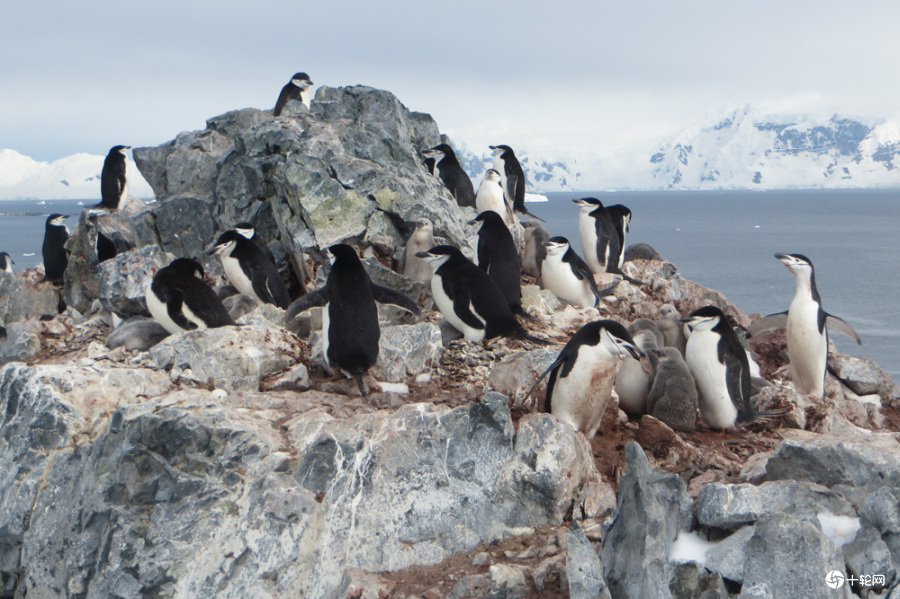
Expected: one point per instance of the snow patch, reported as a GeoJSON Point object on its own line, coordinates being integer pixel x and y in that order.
{"type": "Point", "coordinates": [840, 529]}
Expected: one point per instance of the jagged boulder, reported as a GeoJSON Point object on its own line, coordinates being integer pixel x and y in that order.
{"type": "Point", "coordinates": [21, 299]}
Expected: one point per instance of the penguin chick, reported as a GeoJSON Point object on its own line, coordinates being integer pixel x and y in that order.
{"type": "Point", "coordinates": [180, 301]}
{"type": "Point", "coordinates": [673, 394]}
{"type": "Point", "coordinates": [671, 327]}
{"type": "Point", "coordinates": [350, 330]}
{"type": "Point", "coordinates": [582, 376]}
{"type": "Point", "coordinates": [421, 240]}
{"type": "Point", "coordinates": [634, 381]}
{"type": "Point", "coordinates": [535, 251]}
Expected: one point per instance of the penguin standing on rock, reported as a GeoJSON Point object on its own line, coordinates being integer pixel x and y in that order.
{"type": "Point", "coordinates": [567, 276]}
{"type": "Point", "coordinates": [56, 258]}
{"type": "Point", "coordinates": [498, 257]}
{"type": "Point", "coordinates": [180, 300]}
{"type": "Point", "coordinates": [469, 299]}
{"type": "Point", "coordinates": [350, 330]}
{"type": "Point", "coordinates": [599, 239]}
{"type": "Point", "coordinates": [582, 376]}
{"type": "Point", "coordinates": [452, 174]}
{"type": "Point", "coordinates": [113, 181]}
{"type": "Point", "coordinates": [512, 177]}
{"type": "Point", "coordinates": [296, 89]}
{"type": "Point", "coordinates": [806, 321]}
{"type": "Point", "coordinates": [720, 367]}
{"type": "Point", "coordinates": [490, 196]}
{"type": "Point", "coordinates": [249, 270]}
{"type": "Point", "coordinates": [6, 262]}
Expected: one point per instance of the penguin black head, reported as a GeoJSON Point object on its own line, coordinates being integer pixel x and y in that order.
{"type": "Point", "coordinates": [245, 229]}
{"type": "Point", "coordinates": [6, 262]}
{"type": "Point", "coordinates": [343, 252]}
{"type": "Point", "coordinates": [489, 218]}
{"type": "Point", "coordinates": [118, 150]}
{"type": "Point", "coordinates": [557, 245]}
{"type": "Point", "coordinates": [439, 254]}
{"type": "Point", "coordinates": [57, 220]}
{"type": "Point", "coordinates": [588, 204]}
{"type": "Point", "coordinates": [301, 80]}
{"type": "Point", "coordinates": [439, 151]}
{"type": "Point", "coordinates": [704, 319]}
{"type": "Point", "coordinates": [226, 242]}
{"type": "Point", "coordinates": [500, 150]}
{"type": "Point", "coordinates": [611, 335]}
{"type": "Point", "coordinates": [187, 266]}
{"type": "Point", "coordinates": [619, 211]}
{"type": "Point", "coordinates": [794, 262]}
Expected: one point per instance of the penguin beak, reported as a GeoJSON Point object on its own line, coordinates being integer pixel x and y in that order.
{"type": "Point", "coordinates": [687, 320]}
{"type": "Point", "coordinates": [635, 352]}
{"type": "Point", "coordinates": [216, 249]}
{"type": "Point", "coordinates": [424, 255]}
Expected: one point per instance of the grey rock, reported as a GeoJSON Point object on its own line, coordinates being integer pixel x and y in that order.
{"type": "Point", "coordinates": [791, 557]}
{"type": "Point", "coordinates": [732, 506]}
{"type": "Point", "coordinates": [21, 299]}
{"type": "Point", "coordinates": [187, 165]}
{"type": "Point", "coordinates": [22, 342]}
{"type": "Point", "coordinates": [832, 459]}
{"type": "Point", "coordinates": [863, 376]}
{"type": "Point", "coordinates": [508, 581]}
{"type": "Point", "coordinates": [407, 350]}
{"type": "Point", "coordinates": [186, 227]}
{"type": "Point", "coordinates": [233, 357]}
{"type": "Point", "coordinates": [125, 278]}
{"type": "Point", "coordinates": [583, 568]}
{"type": "Point", "coordinates": [515, 374]}
{"type": "Point", "coordinates": [690, 580]}
{"type": "Point", "coordinates": [868, 555]}
{"type": "Point", "coordinates": [653, 507]}
{"type": "Point", "coordinates": [882, 509]}
{"type": "Point", "coordinates": [728, 556]}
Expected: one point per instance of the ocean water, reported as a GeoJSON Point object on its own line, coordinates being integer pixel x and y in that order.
{"type": "Point", "coordinates": [726, 241]}
{"type": "Point", "coordinates": [723, 240]}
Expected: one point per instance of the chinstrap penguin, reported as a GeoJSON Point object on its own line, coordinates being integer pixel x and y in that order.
{"type": "Point", "coordinates": [512, 178]}
{"type": "Point", "coordinates": [249, 231]}
{"type": "Point", "coordinates": [249, 270]}
{"type": "Point", "coordinates": [469, 299]}
{"type": "Point", "coordinates": [180, 300]}
{"type": "Point", "coordinates": [350, 330]}
{"type": "Point", "coordinates": [452, 174]}
{"type": "Point", "coordinates": [490, 196]}
{"type": "Point", "coordinates": [6, 263]}
{"type": "Point", "coordinates": [567, 276]}
{"type": "Point", "coordinates": [56, 258]}
{"type": "Point", "coordinates": [673, 394]}
{"type": "Point", "coordinates": [599, 240]}
{"type": "Point", "coordinates": [582, 376]}
{"type": "Point", "coordinates": [421, 240]}
{"type": "Point", "coordinates": [621, 220]}
{"type": "Point", "coordinates": [296, 89]}
{"type": "Point", "coordinates": [113, 181]}
{"type": "Point", "coordinates": [499, 258]}
{"type": "Point", "coordinates": [719, 365]}
{"type": "Point", "coordinates": [806, 322]}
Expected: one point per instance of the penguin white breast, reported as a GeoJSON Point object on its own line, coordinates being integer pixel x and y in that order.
{"type": "Point", "coordinates": [807, 347]}
{"type": "Point", "coordinates": [702, 357]}
{"type": "Point", "coordinates": [580, 398]}
{"type": "Point", "coordinates": [445, 305]}
{"type": "Point", "coordinates": [557, 276]}
{"type": "Point", "coordinates": [326, 324]}
{"type": "Point", "coordinates": [236, 276]}
{"type": "Point", "coordinates": [587, 232]}
{"type": "Point", "coordinates": [160, 312]}
{"type": "Point", "coordinates": [490, 197]}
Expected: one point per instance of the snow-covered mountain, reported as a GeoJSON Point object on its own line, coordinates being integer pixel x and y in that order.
{"type": "Point", "coordinates": [748, 150]}
{"type": "Point", "coordinates": [74, 177]}
{"type": "Point", "coordinates": [742, 150]}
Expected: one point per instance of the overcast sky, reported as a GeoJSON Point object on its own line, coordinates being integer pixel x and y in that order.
{"type": "Point", "coordinates": [84, 76]}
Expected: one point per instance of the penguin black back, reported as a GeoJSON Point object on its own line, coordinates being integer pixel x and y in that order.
{"type": "Point", "coordinates": [56, 233]}
{"type": "Point", "coordinates": [112, 178]}
{"type": "Point", "coordinates": [250, 270]}
{"type": "Point", "coordinates": [498, 257]}
{"type": "Point", "coordinates": [249, 231]}
{"type": "Point", "coordinates": [453, 175]}
{"type": "Point", "coordinates": [180, 289]}
{"type": "Point", "coordinates": [621, 220]}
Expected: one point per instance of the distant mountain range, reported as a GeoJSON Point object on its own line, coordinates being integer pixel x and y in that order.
{"type": "Point", "coordinates": [742, 150]}
{"type": "Point", "coordinates": [75, 177]}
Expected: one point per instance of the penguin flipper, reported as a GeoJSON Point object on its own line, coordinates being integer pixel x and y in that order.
{"type": "Point", "coordinates": [767, 323]}
{"type": "Point", "coordinates": [462, 307]}
{"type": "Point", "coordinates": [737, 379]}
{"type": "Point", "coordinates": [556, 364]}
{"type": "Point", "coordinates": [385, 295]}
{"type": "Point", "coordinates": [174, 308]}
{"type": "Point", "coordinates": [313, 299]}
{"type": "Point", "coordinates": [841, 326]}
